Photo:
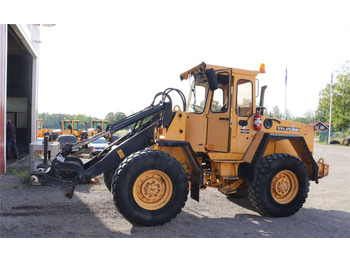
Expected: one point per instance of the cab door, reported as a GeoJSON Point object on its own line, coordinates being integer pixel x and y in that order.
{"type": "Point", "coordinates": [218, 135]}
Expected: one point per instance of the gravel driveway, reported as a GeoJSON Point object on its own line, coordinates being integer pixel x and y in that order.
{"type": "Point", "coordinates": [38, 211]}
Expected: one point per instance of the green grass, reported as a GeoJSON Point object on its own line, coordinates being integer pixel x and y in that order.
{"type": "Point", "coordinates": [21, 173]}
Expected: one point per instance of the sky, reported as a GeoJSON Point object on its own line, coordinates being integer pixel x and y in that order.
{"type": "Point", "coordinates": [101, 58]}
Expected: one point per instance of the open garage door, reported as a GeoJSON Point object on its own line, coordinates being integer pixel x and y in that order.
{"type": "Point", "coordinates": [19, 89]}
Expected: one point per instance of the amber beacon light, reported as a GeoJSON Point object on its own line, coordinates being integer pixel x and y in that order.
{"type": "Point", "coordinates": [262, 68]}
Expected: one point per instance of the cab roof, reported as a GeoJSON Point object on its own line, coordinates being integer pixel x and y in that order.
{"type": "Point", "coordinates": [194, 70]}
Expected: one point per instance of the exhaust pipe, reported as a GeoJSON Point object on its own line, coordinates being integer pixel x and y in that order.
{"type": "Point", "coordinates": [262, 96]}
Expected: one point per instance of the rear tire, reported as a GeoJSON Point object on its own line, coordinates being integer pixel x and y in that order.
{"type": "Point", "coordinates": [150, 188]}
{"type": "Point", "coordinates": [281, 186]}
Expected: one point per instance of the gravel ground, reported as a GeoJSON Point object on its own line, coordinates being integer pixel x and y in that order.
{"type": "Point", "coordinates": [39, 211]}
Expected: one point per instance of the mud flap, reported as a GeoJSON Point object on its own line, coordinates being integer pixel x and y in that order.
{"type": "Point", "coordinates": [196, 178]}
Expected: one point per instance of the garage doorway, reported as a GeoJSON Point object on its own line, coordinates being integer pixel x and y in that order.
{"type": "Point", "coordinates": [19, 89]}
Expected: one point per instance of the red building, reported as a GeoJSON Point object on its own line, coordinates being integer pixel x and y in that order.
{"type": "Point", "coordinates": [19, 54]}
{"type": "Point", "coordinates": [320, 126]}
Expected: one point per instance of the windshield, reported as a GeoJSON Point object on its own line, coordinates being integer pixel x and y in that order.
{"type": "Point", "coordinates": [97, 125]}
{"type": "Point", "coordinates": [68, 125]}
{"type": "Point", "coordinates": [198, 93]}
{"type": "Point", "coordinates": [100, 141]}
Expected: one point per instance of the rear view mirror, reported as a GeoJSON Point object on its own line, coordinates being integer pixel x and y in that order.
{"type": "Point", "coordinates": [212, 80]}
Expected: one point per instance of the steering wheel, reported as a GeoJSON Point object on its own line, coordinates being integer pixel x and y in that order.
{"type": "Point", "coordinates": [224, 108]}
{"type": "Point", "coordinates": [197, 108]}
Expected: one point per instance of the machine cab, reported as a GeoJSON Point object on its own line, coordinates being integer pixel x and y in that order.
{"type": "Point", "coordinates": [218, 99]}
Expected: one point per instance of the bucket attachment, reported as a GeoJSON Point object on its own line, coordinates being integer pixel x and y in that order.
{"type": "Point", "coordinates": [43, 179]}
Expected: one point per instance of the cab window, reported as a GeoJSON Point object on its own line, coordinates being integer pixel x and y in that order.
{"type": "Point", "coordinates": [67, 125]}
{"type": "Point", "coordinates": [244, 105]}
{"type": "Point", "coordinates": [197, 99]}
{"type": "Point", "coordinates": [220, 99]}
{"type": "Point", "coordinates": [76, 125]}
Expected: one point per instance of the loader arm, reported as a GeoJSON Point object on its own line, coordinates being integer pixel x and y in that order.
{"type": "Point", "coordinates": [67, 171]}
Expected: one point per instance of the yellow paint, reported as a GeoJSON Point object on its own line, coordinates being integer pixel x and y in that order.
{"type": "Point", "coordinates": [284, 187]}
{"type": "Point", "coordinates": [177, 129]}
{"type": "Point", "coordinates": [179, 155]}
{"type": "Point", "coordinates": [196, 131]}
{"type": "Point", "coordinates": [152, 189]}
{"type": "Point", "coordinates": [121, 154]}
{"type": "Point", "coordinates": [226, 144]}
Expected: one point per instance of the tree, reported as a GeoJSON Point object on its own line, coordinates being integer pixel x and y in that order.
{"type": "Point", "coordinates": [340, 101]}
{"type": "Point", "coordinates": [110, 116]}
{"type": "Point", "coordinates": [52, 121]}
{"type": "Point", "coordinates": [113, 117]}
{"type": "Point", "coordinates": [309, 116]}
{"type": "Point", "coordinates": [275, 112]}
{"type": "Point", "coordinates": [288, 115]}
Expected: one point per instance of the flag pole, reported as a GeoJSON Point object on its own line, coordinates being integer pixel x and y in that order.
{"type": "Point", "coordinates": [285, 95]}
{"type": "Point", "coordinates": [330, 111]}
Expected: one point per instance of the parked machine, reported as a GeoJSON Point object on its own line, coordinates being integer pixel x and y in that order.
{"type": "Point", "coordinates": [346, 141]}
{"type": "Point", "coordinates": [97, 126]}
{"type": "Point", "coordinates": [72, 127]}
{"type": "Point", "coordinates": [218, 138]}
{"type": "Point", "coordinates": [42, 131]}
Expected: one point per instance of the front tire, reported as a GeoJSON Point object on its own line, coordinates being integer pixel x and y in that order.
{"type": "Point", "coordinates": [150, 188]}
{"type": "Point", "coordinates": [281, 186]}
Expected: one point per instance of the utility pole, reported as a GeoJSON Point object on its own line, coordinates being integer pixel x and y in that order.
{"type": "Point", "coordinates": [330, 111]}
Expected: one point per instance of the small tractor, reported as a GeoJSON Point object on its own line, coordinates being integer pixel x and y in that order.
{"type": "Point", "coordinates": [72, 127]}
{"type": "Point", "coordinates": [346, 141]}
{"type": "Point", "coordinates": [41, 130]}
{"type": "Point", "coordinates": [97, 126]}
{"type": "Point", "coordinates": [216, 138]}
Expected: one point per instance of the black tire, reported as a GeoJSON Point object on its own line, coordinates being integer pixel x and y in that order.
{"type": "Point", "coordinates": [346, 141]}
{"type": "Point", "coordinates": [108, 177]}
{"type": "Point", "coordinates": [127, 185]}
{"type": "Point", "coordinates": [273, 172]}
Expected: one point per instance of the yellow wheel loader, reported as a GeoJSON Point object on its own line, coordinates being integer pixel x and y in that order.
{"type": "Point", "coordinates": [41, 130]}
{"type": "Point", "coordinates": [72, 127]}
{"type": "Point", "coordinates": [216, 138]}
{"type": "Point", "coordinates": [97, 126]}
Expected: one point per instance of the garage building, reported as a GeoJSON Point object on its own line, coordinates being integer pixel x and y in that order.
{"type": "Point", "coordinates": [19, 67]}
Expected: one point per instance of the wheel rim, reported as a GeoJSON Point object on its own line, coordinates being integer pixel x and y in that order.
{"type": "Point", "coordinates": [152, 189]}
{"type": "Point", "coordinates": [284, 187]}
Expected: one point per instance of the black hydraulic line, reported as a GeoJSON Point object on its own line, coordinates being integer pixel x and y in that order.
{"type": "Point", "coordinates": [114, 127]}
{"type": "Point", "coordinates": [118, 125]}
{"type": "Point", "coordinates": [168, 90]}
{"type": "Point", "coordinates": [163, 98]}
